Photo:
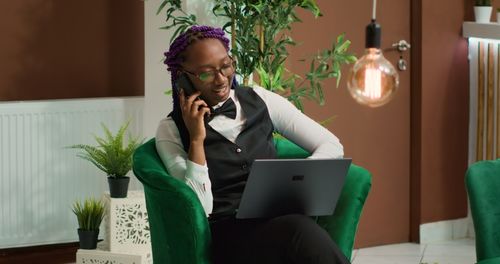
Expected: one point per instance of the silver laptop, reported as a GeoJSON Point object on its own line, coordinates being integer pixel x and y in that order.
{"type": "Point", "coordinates": [293, 186]}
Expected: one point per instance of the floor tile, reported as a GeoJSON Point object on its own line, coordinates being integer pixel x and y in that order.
{"type": "Point", "coordinates": [353, 255]}
{"type": "Point", "coordinates": [464, 241]}
{"type": "Point", "coordinates": [408, 249]}
{"type": "Point", "coordinates": [450, 250]}
{"type": "Point", "coordinates": [364, 259]}
{"type": "Point", "coordinates": [429, 259]}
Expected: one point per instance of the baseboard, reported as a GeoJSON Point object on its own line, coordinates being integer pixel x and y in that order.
{"type": "Point", "coordinates": [54, 254]}
{"type": "Point", "coordinates": [445, 230]}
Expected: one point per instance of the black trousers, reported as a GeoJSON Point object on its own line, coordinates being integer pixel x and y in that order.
{"type": "Point", "coordinates": [285, 239]}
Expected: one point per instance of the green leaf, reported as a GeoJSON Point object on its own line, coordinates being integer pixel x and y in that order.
{"type": "Point", "coordinates": [162, 5]}
{"type": "Point", "coordinates": [343, 47]}
{"type": "Point", "coordinates": [89, 213]}
{"type": "Point", "coordinates": [327, 121]}
{"type": "Point", "coordinates": [351, 59]}
{"type": "Point", "coordinates": [311, 6]}
{"type": "Point", "coordinates": [176, 33]}
{"type": "Point", "coordinates": [340, 38]}
{"type": "Point", "coordinates": [264, 77]}
{"type": "Point", "coordinates": [110, 155]}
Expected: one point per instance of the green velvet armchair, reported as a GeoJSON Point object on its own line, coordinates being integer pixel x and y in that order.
{"type": "Point", "coordinates": [483, 186]}
{"type": "Point", "coordinates": [179, 228]}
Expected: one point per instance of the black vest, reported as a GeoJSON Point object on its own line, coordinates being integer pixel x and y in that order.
{"type": "Point", "coordinates": [229, 163]}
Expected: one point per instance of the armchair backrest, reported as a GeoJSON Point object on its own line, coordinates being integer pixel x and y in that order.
{"type": "Point", "coordinates": [178, 225]}
{"type": "Point", "coordinates": [483, 187]}
{"type": "Point", "coordinates": [289, 150]}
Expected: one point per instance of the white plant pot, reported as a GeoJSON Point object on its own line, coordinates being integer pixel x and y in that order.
{"type": "Point", "coordinates": [482, 14]}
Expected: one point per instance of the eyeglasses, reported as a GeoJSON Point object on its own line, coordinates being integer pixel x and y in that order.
{"type": "Point", "coordinates": [209, 76]}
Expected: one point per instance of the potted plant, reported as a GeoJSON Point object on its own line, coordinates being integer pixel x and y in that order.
{"type": "Point", "coordinates": [112, 156]}
{"type": "Point", "coordinates": [482, 11]}
{"type": "Point", "coordinates": [89, 214]}
{"type": "Point", "coordinates": [260, 38]}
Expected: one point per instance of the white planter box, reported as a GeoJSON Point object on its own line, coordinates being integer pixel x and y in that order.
{"type": "Point", "coordinates": [126, 224]}
{"type": "Point", "coordinates": [482, 14]}
{"type": "Point", "coordinates": [97, 256]}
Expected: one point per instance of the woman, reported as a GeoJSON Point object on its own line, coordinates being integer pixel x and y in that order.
{"type": "Point", "coordinates": [215, 131]}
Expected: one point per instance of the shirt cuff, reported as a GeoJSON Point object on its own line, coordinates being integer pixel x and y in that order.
{"type": "Point", "coordinates": [196, 172]}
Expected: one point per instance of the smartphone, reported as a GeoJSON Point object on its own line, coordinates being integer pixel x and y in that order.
{"type": "Point", "coordinates": [184, 83]}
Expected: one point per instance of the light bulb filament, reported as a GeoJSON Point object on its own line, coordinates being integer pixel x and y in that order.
{"type": "Point", "coordinates": [373, 83]}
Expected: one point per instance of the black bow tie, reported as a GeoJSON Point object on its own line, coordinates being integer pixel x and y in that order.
{"type": "Point", "coordinates": [228, 109]}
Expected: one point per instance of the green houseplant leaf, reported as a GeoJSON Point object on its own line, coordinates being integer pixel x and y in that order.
{"type": "Point", "coordinates": [111, 155]}
{"type": "Point", "coordinates": [89, 213]}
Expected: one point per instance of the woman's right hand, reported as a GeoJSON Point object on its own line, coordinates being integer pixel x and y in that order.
{"type": "Point", "coordinates": [193, 113]}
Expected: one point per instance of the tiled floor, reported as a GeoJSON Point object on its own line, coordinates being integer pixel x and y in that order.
{"type": "Point", "coordinates": [448, 252]}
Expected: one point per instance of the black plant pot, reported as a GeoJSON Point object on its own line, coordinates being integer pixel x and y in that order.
{"type": "Point", "coordinates": [118, 186]}
{"type": "Point", "coordinates": [88, 238]}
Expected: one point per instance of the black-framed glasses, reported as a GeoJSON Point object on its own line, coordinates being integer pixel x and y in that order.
{"type": "Point", "coordinates": [209, 76]}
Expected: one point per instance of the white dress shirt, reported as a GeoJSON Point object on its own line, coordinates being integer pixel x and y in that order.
{"type": "Point", "coordinates": [286, 118]}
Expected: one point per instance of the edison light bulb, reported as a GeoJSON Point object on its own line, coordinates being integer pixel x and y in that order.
{"type": "Point", "coordinates": [373, 81]}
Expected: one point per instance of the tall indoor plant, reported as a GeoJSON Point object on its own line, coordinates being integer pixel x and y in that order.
{"type": "Point", "coordinates": [113, 156]}
{"type": "Point", "coordinates": [89, 214]}
{"type": "Point", "coordinates": [260, 36]}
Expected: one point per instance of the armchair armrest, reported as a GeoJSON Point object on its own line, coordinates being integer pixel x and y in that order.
{"type": "Point", "coordinates": [343, 224]}
{"type": "Point", "coordinates": [178, 225]}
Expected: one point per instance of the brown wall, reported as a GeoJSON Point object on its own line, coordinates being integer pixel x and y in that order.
{"type": "Point", "coordinates": [53, 49]}
{"type": "Point", "coordinates": [434, 108]}
{"type": "Point", "coordinates": [377, 139]}
{"type": "Point", "coordinates": [443, 111]}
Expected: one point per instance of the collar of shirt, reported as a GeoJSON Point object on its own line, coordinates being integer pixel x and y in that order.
{"type": "Point", "coordinates": [231, 95]}
{"type": "Point", "coordinates": [229, 128]}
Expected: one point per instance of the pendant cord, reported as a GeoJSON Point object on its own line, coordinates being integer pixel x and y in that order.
{"type": "Point", "coordinates": [374, 10]}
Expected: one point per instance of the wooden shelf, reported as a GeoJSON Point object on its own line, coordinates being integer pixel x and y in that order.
{"type": "Point", "coordinates": [480, 30]}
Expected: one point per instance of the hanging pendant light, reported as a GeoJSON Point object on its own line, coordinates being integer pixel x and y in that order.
{"type": "Point", "coordinates": [373, 80]}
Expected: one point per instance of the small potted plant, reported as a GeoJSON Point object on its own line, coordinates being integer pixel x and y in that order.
{"type": "Point", "coordinates": [89, 214]}
{"type": "Point", "coordinates": [482, 11]}
{"type": "Point", "coordinates": [112, 156]}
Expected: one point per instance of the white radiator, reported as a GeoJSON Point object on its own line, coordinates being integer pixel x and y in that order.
{"type": "Point", "coordinates": [39, 177]}
{"type": "Point", "coordinates": [484, 112]}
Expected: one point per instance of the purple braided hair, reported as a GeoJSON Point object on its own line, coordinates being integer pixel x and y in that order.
{"type": "Point", "coordinates": [175, 55]}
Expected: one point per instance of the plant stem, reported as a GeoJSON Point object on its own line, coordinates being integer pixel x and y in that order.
{"type": "Point", "coordinates": [301, 83]}
{"type": "Point", "coordinates": [233, 27]}
{"type": "Point", "coordinates": [261, 38]}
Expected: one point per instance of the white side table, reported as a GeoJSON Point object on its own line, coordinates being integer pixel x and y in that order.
{"type": "Point", "coordinates": [126, 224]}
{"type": "Point", "coordinates": [97, 256]}
{"type": "Point", "coordinates": [127, 239]}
